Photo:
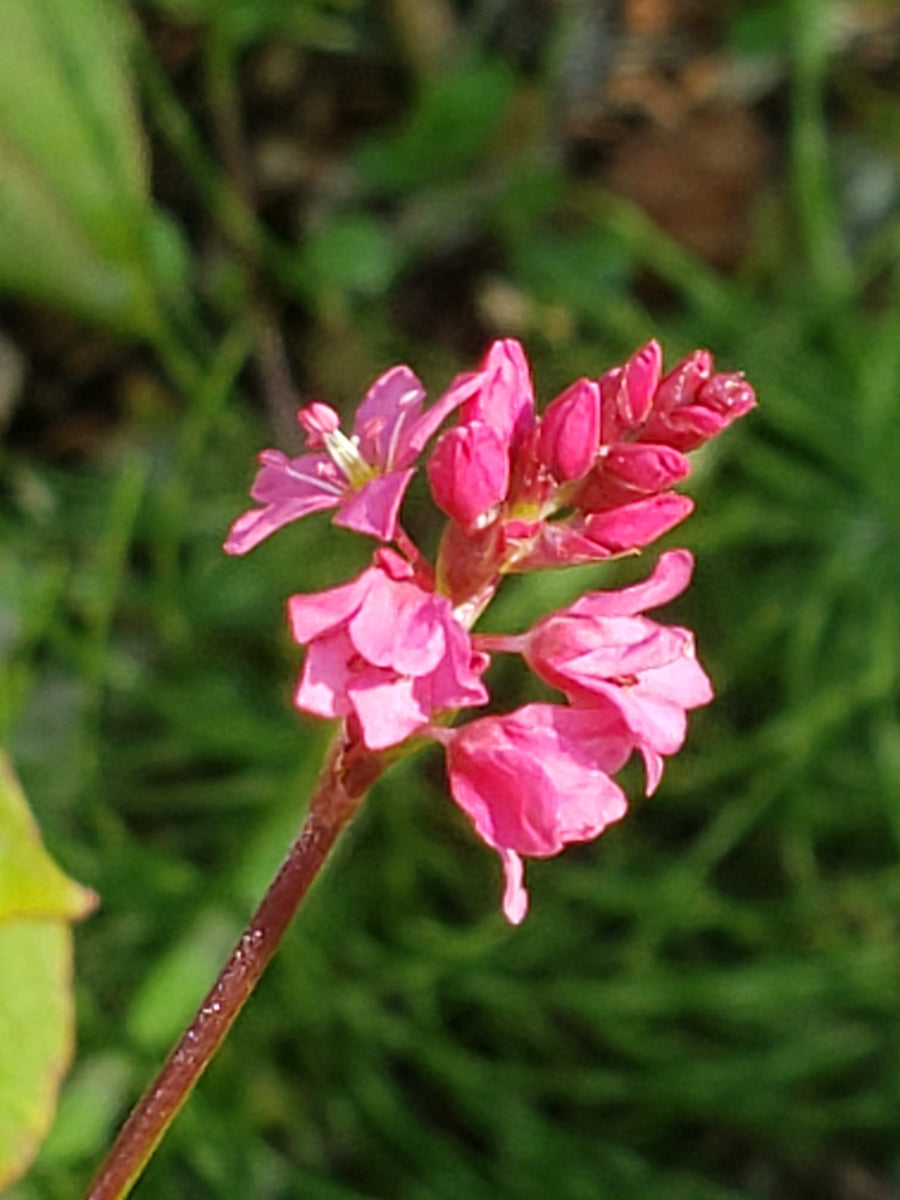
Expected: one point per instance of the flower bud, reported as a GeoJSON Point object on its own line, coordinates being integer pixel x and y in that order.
{"type": "Point", "coordinates": [469, 473]}
{"type": "Point", "coordinates": [570, 431]}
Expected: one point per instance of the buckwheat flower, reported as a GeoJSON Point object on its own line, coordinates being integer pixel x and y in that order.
{"type": "Point", "coordinates": [535, 780]}
{"type": "Point", "coordinates": [363, 476]}
{"type": "Point", "coordinates": [601, 651]}
{"type": "Point", "coordinates": [384, 651]}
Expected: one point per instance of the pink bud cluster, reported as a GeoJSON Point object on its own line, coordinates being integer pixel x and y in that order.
{"type": "Point", "coordinates": [392, 652]}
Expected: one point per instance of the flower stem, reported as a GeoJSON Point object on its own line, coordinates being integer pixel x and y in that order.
{"type": "Point", "coordinates": [346, 776]}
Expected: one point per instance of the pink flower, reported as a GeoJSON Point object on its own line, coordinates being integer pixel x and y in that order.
{"type": "Point", "coordinates": [364, 477]}
{"type": "Point", "coordinates": [535, 780]}
{"type": "Point", "coordinates": [385, 652]}
{"type": "Point", "coordinates": [601, 652]}
{"type": "Point", "coordinates": [469, 469]}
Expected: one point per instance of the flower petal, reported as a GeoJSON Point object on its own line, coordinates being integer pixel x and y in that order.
{"type": "Point", "coordinates": [387, 707]}
{"type": "Point", "coordinates": [570, 431]}
{"type": "Point", "coordinates": [669, 578]}
{"type": "Point", "coordinates": [289, 488]}
{"type": "Point", "coordinates": [535, 779]}
{"type": "Point", "coordinates": [385, 419]}
{"type": "Point", "coordinates": [316, 613]}
{"type": "Point", "coordinates": [501, 393]}
{"type": "Point", "coordinates": [400, 626]}
{"type": "Point", "coordinates": [373, 509]}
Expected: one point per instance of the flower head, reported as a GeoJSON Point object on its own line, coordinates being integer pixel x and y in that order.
{"type": "Point", "coordinates": [390, 652]}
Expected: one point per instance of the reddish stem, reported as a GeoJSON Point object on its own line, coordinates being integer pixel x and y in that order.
{"type": "Point", "coordinates": [347, 775]}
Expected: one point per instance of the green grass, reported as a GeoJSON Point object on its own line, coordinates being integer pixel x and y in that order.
{"type": "Point", "coordinates": [702, 1005]}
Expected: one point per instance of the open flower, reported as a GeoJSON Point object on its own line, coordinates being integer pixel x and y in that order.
{"type": "Point", "coordinates": [364, 476]}
{"type": "Point", "coordinates": [602, 652]}
{"type": "Point", "coordinates": [536, 779]}
{"type": "Point", "coordinates": [383, 650]}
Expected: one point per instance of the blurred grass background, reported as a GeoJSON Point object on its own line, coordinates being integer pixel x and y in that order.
{"type": "Point", "coordinates": [209, 208]}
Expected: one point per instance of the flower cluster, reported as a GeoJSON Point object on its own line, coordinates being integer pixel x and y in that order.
{"type": "Point", "coordinates": [393, 654]}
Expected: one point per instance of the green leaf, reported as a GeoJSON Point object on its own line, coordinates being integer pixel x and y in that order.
{"type": "Point", "coordinates": [37, 901]}
{"type": "Point", "coordinates": [77, 227]}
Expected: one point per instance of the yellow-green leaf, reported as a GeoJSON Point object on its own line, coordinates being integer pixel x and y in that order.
{"type": "Point", "coordinates": [37, 902]}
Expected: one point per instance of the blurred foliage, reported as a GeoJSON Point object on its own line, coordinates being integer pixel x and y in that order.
{"type": "Point", "coordinates": [703, 1005]}
{"type": "Point", "coordinates": [37, 903]}
{"type": "Point", "coordinates": [75, 194]}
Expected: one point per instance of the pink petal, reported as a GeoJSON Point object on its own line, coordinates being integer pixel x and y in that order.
{"type": "Point", "coordinates": [683, 382]}
{"type": "Point", "coordinates": [316, 420]}
{"type": "Point", "coordinates": [657, 724]}
{"type": "Point", "coordinates": [681, 681]}
{"type": "Point", "coordinates": [653, 769]}
{"type": "Point", "coordinates": [580, 649]}
{"type": "Point", "coordinates": [322, 689]}
{"type": "Point", "coordinates": [669, 578]}
{"type": "Point", "coordinates": [373, 509]}
{"type": "Point", "coordinates": [387, 707]}
{"type": "Point", "coordinates": [316, 613]}
{"type": "Point", "coordinates": [501, 393]}
{"type": "Point", "coordinates": [399, 626]}
{"type": "Point", "coordinates": [536, 779]}
{"type": "Point", "coordinates": [255, 525]}
{"type": "Point", "coordinates": [645, 466]}
{"type": "Point", "coordinates": [627, 392]}
{"type": "Point", "coordinates": [635, 525]}
{"type": "Point", "coordinates": [456, 680]}
{"type": "Point", "coordinates": [386, 417]}
{"type": "Point", "coordinates": [289, 488]}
